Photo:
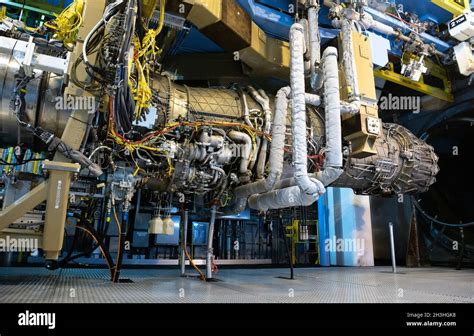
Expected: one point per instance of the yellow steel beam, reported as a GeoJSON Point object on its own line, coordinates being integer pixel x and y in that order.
{"type": "Point", "coordinates": [392, 76]}
{"type": "Point", "coordinates": [456, 7]}
{"type": "Point", "coordinates": [3, 12]}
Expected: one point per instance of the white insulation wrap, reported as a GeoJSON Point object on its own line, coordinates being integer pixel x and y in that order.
{"type": "Point", "coordinates": [277, 152]}
{"type": "Point", "coordinates": [298, 95]}
{"type": "Point", "coordinates": [349, 58]}
{"type": "Point", "coordinates": [368, 22]}
{"type": "Point", "coordinates": [284, 198]}
{"type": "Point", "coordinates": [314, 37]}
{"type": "Point", "coordinates": [304, 190]}
{"type": "Point", "coordinates": [332, 103]}
{"type": "Point", "coordinates": [307, 190]}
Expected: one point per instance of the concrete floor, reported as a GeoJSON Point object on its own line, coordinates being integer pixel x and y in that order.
{"type": "Point", "coordinates": [318, 285]}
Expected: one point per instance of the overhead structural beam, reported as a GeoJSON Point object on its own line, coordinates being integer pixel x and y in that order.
{"type": "Point", "coordinates": [456, 7]}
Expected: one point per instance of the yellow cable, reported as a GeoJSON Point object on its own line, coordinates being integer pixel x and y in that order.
{"type": "Point", "coordinates": [117, 221]}
{"type": "Point", "coordinates": [141, 91]}
{"type": "Point", "coordinates": [149, 41]}
{"type": "Point", "coordinates": [136, 164]}
{"type": "Point", "coordinates": [119, 240]}
{"type": "Point", "coordinates": [203, 277]}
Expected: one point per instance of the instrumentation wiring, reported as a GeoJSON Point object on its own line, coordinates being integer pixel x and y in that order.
{"type": "Point", "coordinates": [191, 261]}
{"type": "Point", "coordinates": [149, 47]}
{"type": "Point", "coordinates": [67, 24]}
{"type": "Point", "coordinates": [22, 162]}
{"type": "Point", "coordinates": [133, 91]}
{"type": "Point", "coordinates": [120, 63]}
{"type": "Point", "coordinates": [146, 52]}
{"type": "Point", "coordinates": [141, 90]}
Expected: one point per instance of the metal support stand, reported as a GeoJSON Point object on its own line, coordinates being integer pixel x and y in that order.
{"type": "Point", "coordinates": [184, 242]}
{"type": "Point", "coordinates": [413, 251]}
{"type": "Point", "coordinates": [287, 247]}
{"type": "Point", "coordinates": [461, 254]}
{"type": "Point", "coordinates": [56, 192]}
{"type": "Point", "coordinates": [210, 250]}
{"type": "Point", "coordinates": [392, 246]}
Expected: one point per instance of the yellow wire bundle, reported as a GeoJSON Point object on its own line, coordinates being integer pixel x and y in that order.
{"type": "Point", "coordinates": [149, 46]}
{"type": "Point", "coordinates": [67, 24]}
{"type": "Point", "coordinates": [142, 92]}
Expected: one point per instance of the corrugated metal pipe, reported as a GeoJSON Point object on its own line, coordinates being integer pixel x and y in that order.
{"type": "Point", "coordinates": [245, 151]}
{"type": "Point", "coordinates": [262, 98]}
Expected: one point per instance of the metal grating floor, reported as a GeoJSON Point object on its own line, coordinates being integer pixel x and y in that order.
{"type": "Point", "coordinates": [317, 285]}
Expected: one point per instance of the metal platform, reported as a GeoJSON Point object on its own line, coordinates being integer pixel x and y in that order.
{"type": "Point", "coordinates": [316, 285]}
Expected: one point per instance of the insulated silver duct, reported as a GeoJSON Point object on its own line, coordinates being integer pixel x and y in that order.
{"type": "Point", "coordinates": [276, 159]}
{"type": "Point", "coordinates": [276, 154]}
{"type": "Point", "coordinates": [368, 22]}
{"type": "Point", "coordinates": [284, 198]}
{"type": "Point", "coordinates": [349, 59]}
{"type": "Point", "coordinates": [299, 125]}
{"type": "Point", "coordinates": [332, 103]}
{"type": "Point", "coordinates": [246, 150]}
{"type": "Point", "coordinates": [314, 36]}
{"type": "Point", "coordinates": [348, 63]}
{"type": "Point", "coordinates": [262, 98]}
{"type": "Point", "coordinates": [288, 192]}
{"type": "Point", "coordinates": [308, 189]}
{"type": "Point", "coordinates": [210, 248]}
{"type": "Point", "coordinates": [307, 51]}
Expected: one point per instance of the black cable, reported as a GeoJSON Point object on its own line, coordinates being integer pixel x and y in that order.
{"type": "Point", "coordinates": [24, 162]}
{"type": "Point", "coordinates": [107, 255]}
{"type": "Point", "coordinates": [124, 101]}
{"type": "Point", "coordinates": [438, 237]}
{"type": "Point", "coordinates": [123, 236]}
{"type": "Point", "coordinates": [436, 221]}
{"type": "Point", "coordinates": [62, 263]}
{"type": "Point", "coordinates": [85, 221]}
{"type": "Point", "coordinates": [140, 28]}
